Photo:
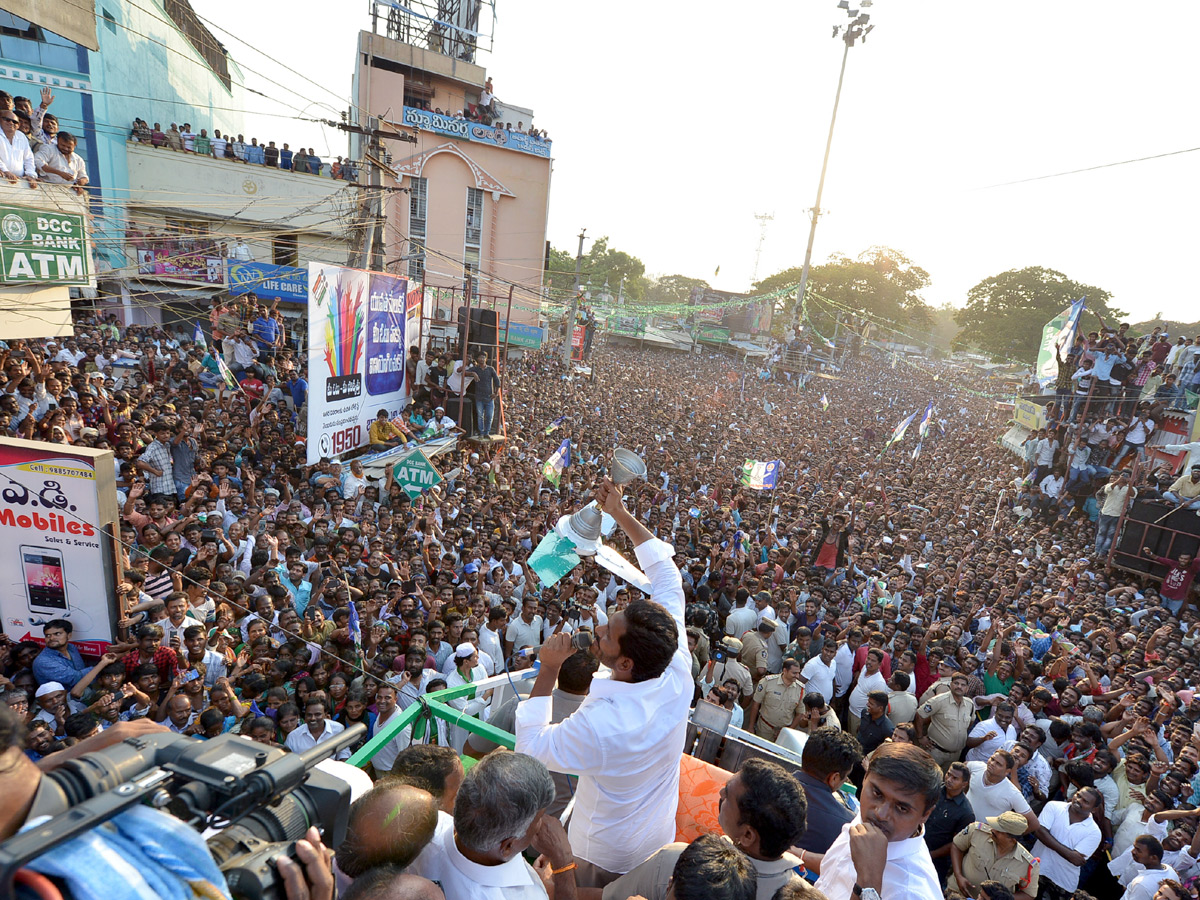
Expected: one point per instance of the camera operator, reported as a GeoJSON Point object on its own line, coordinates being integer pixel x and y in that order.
{"type": "Point", "coordinates": [82, 866]}
{"type": "Point", "coordinates": [725, 666]}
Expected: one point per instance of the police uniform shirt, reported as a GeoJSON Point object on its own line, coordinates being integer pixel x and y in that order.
{"type": "Point", "coordinates": [777, 701]}
{"type": "Point", "coordinates": [754, 652]}
{"type": "Point", "coordinates": [949, 722]}
{"type": "Point", "coordinates": [1017, 870]}
{"type": "Point", "coordinates": [732, 668]}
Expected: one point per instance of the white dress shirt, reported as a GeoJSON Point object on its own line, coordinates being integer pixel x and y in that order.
{"type": "Point", "coordinates": [1005, 737]}
{"type": "Point", "coordinates": [819, 677]}
{"type": "Point", "coordinates": [441, 861]}
{"type": "Point", "coordinates": [624, 742]}
{"type": "Point", "coordinates": [16, 156]}
{"type": "Point", "coordinates": [908, 874]}
{"type": "Point", "coordinates": [1083, 837]}
{"type": "Point", "coordinates": [490, 643]}
{"type": "Point", "coordinates": [48, 155]}
{"type": "Point", "coordinates": [385, 757]}
{"type": "Point", "coordinates": [301, 738]}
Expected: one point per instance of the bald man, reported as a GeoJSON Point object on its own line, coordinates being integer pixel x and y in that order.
{"type": "Point", "coordinates": [389, 825]}
{"type": "Point", "coordinates": [390, 883]}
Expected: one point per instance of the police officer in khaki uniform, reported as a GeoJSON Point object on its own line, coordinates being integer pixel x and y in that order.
{"type": "Point", "coordinates": [988, 851]}
{"type": "Point", "coordinates": [944, 722]}
{"type": "Point", "coordinates": [776, 702]}
{"type": "Point", "coordinates": [754, 649]}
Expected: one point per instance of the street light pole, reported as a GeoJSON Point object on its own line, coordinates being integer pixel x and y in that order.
{"type": "Point", "coordinates": [853, 32]}
{"type": "Point", "coordinates": [570, 325]}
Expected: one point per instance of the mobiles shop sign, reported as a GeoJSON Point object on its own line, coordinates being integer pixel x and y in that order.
{"type": "Point", "coordinates": [40, 246]}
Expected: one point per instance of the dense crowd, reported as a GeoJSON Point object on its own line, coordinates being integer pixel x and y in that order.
{"type": "Point", "coordinates": [874, 599]}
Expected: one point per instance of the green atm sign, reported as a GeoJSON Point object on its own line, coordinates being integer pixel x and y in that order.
{"type": "Point", "coordinates": [39, 246]}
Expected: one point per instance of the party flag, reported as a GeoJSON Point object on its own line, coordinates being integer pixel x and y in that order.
{"type": "Point", "coordinates": [355, 626]}
{"type": "Point", "coordinates": [555, 425]}
{"type": "Point", "coordinates": [760, 476]}
{"type": "Point", "coordinates": [898, 434]}
{"type": "Point", "coordinates": [824, 402]}
{"type": "Point", "coordinates": [198, 336]}
{"type": "Point", "coordinates": [559, 460]}
{"type": "Point", "coordinates": [923, 429]}
{"type": "Point", "coordinates": [227, 374]}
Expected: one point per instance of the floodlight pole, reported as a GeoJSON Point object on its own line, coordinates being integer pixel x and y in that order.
{"type": "Point", "coordinates": [848, 38]}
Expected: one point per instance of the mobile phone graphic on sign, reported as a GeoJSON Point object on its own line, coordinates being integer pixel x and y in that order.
{"type": "Point", "coordinates": [45, 586]}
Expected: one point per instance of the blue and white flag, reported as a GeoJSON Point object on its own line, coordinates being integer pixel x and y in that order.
{"type": "Point", "coordinates": [559, 460]}
{"type": "Point", "coordinates": [760, 476]}
{"type": "Point", "coordinates": [824, 402]}
{"type": "Point", "coordinates": [923, 429]}
{"type": "Point", "coordinates": [198, 336]}
{"type": "Point", "coordinates": [898, 434]}
{"type": "Point", "coordinates": [1058, 332]}
{"type": "Point", "coordinates": [355, 626]}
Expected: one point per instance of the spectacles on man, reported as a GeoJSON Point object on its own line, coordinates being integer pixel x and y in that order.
{"type": "Point", "coordinates": [11, 119]}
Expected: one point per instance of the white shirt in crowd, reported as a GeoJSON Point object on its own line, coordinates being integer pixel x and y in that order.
{"type": "Point", "coordinates": [441, 861]}
{"type": "Point", "coordinates": [1005, 737]}
{"type": "Point", "coordinates": [16, 156]}
{"type": "Point", "coordinates": [301, 738]}
{"type": "Point", "coordinates": [1083, 837]}
{"type": "Point", "coordinates": [992, 799]}
{"type": "Point", "coordinates": [908, 873]}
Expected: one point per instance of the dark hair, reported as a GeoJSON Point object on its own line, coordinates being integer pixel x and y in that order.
{"type": "Point", "coordinates": [193, 631]}
{"type": "Point", "coordinates": [814, 700]}
{"type": "Point", "coordinates": [902, 680]}
{"type": "Point", "coordinates": [880, 698]}
{"type": "Point", "coordinates": [426, 766]}
{"type": "Point", "coordinates": [911, 768]}
{"type": "Point", "coordinates": [12, 730]}
{"type": "Point", "coordinates": [773, 804]}
{"type": "Point", "coordinates": [1080, 773]}
{"type": "Point", "coordinates": [80, 725]}
{"type": "Point", "coordinates": [797, 889]}
{"type": "Point", "coordinates": [64, 624]}
{"type": "Point", "coordinates": [650, 639]}
{"type": "Point", "coordinates": [211, 717]}
{"type": "Point", "coordinates": [994, 890]}
{"type": "Point", "coordinates": [1150, 844]}
{"type": "Point", "coordinates": [1041, 733]}
{"type": "Point", "coordinates": [575, 676]}
{"type": "Point", "coordinates": [830, 751]}
{"type": "Point", "coordinates": [710, 868]}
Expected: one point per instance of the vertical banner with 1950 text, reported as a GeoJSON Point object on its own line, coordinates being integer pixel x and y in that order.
{"type": "Point", "coordinates": [356, 356]}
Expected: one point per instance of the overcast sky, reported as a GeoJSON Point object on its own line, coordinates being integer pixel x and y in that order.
{"type": "Point", "coordinates": [674, 124]}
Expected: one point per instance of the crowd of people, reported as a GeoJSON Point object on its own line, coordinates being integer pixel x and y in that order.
{"type": "Point", "coordinates": [33, 149]}
{"type": "Point", "coordinates": [988, 708]}
{"type": "Point", "coordinates": [183, 139]}
{"type": "Point", "coordinates": [485, 112]}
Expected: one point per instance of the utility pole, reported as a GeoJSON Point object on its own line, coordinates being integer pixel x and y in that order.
{"type": "Point", "coordinates": [371, 233]}
{"type": "Point", "coordinates": [570, 325]}
{"type": "Point", "coordinates": [763, 219]}
{"type": "Point", "coordinates": [850, 33]}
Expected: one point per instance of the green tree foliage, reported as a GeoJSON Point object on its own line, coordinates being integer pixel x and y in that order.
{"type": "Point", "coordinates": [672, 289]}
{"type": "Point", "coordinates": [881, 282]}
{"type": "Point", "coordinates": [600, 263]}
{"type": "Point", "coordinates": [1005, 314]}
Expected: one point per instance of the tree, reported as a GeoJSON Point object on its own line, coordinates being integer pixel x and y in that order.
{"type": "Point", "coordinates": [882, 283]}
{"type": "Point", "coordinates": [1005, 314]}
{"type": "Point", "coordinates": [600, 263]}
{"type": "Point", "coordinates": [673, 289]}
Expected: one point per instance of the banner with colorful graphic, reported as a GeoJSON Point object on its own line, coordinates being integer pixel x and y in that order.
{"type": "Point", "coordinates": [356, 328]}
{"type": "Point", "coordinates": [759, 475]}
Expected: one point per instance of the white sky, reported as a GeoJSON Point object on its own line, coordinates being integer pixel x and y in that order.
{"type": "Point", "coordinates": [672, 130]}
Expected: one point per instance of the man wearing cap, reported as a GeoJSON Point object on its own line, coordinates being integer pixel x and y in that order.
{"type": "Point", "coordinates": [467, 670]}
{"type": "Point", "coordinates": [754, 649]}
{"type": "Point", "coordinates": [730, 667]}
{"type": "Point", "coordinates": [776, 703]}
{"type": "Point", "coordinates": [989, 851]}
{"type": "Point", "coordinates": [944, 721]}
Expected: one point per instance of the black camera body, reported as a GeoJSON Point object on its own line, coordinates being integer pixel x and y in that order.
{"type": "Point", "coordinates": [261, 799]}
{"type": "Point", "coordinates": [721, 653]}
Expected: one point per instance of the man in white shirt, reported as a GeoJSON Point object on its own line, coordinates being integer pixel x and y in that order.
{"type": "Point", "coordinates": [316, 730]}
{"type": "Point", "coordinates": [1141, 869]}
{"type": "Point", "coordinates": [741, 619]}
{"type": "Point", "coordinates": [387, 709]}
{"type": "Point", "coordinates": [1067, 835]}
{"type": "Point", "coordinates": [992, 734]}
{"type": "Point", "coordinates": [525, 630]}
{"type": "Point", "coordinates": [819, 672]}
{"type": "Point", "coordinates": [870, 678]}
{"type": "Point", "coordinates": [885, 843]}
{"type": "Point", "coordinates": [993, 792]}
{"type": "Point", "coordinates": [58, 163]}
{"type": "Point", "coordinates": [624, 741]}
{"type": "Point", "coordinates": [503, 794]}
{"type": "Point", "coordinates": [16, 156]}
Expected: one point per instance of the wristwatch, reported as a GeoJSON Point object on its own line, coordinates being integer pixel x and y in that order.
{"type": "Point", "coordinates": [866, 893]}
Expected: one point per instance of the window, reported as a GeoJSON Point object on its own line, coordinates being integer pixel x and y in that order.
{"type": "Point", "coordinates": [21, 41]}
{"type": "Point", "coordinates": [284, 250]}
{"type": "Point", "coordinates": [474, 216]}
{"type": "Point", "coordinates": [110, 21]}
{"type": "Point", "coordinates": [418, 210]}
{"type": "Point", "coordinates": [471, 270]}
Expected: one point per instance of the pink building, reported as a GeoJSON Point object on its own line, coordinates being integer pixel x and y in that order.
{"type": "Point", "coordinates": [478, 176]}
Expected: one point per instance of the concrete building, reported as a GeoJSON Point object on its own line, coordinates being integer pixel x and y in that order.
{"type": "Point", "coordinates": [477, 192]}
